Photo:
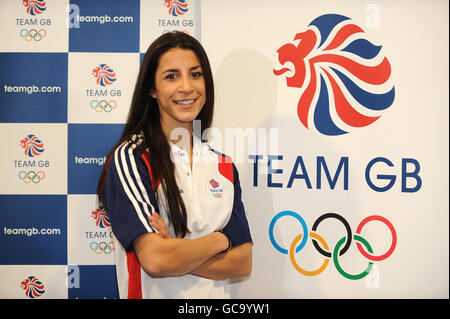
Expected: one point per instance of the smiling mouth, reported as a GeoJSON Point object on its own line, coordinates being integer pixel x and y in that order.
{"type": "Point", "coordinates": [185, 103]}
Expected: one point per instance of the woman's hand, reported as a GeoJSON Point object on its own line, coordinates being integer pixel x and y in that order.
{"type": "Point", "coordinates": [160, 225]}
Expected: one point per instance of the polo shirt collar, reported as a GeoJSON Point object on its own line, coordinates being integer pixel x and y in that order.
{"type": "Point", "coordinates": [177, 153]}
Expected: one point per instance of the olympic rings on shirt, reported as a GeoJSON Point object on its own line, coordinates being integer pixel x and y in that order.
{"type": "Point", "coordinates": [102, 247]}
{"type": "Point", "coordinates": [33, 34]}
{"type": "Point", "coordinates": [103, 105]}
{"type": "Point", "coordinates": [337, 251]}
{"type": "Point", "coordinates": [31, 176]}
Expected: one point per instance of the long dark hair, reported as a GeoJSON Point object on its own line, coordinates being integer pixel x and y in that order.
{"type": "Point", "coordinates": [144, 117]}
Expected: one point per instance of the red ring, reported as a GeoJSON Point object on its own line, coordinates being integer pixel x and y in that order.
{"type": "Point", "coordinates": [394, 238]}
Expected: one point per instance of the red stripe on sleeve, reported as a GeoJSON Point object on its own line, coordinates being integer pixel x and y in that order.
{"type": "Point", "coordinates": [134, 276]}
{"type": "Point", "coordinates": [155, 184]}
{"type": "Point", "coordinates": [226, 167]}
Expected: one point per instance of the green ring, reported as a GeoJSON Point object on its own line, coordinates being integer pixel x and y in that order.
{"type": "Point", "coordinates": [339, 268]}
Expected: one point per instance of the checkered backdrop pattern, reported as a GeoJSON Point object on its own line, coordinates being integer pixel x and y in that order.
{"type": "Point", "coordinates": [67, 74]}
{"type": "Point", "coordinates": [67, 71]}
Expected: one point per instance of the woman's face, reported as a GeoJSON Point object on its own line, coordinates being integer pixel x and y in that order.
{"type": "Point", "coordinates": [179, 88]}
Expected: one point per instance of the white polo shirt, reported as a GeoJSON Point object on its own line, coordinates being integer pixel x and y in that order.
{"type": "Point", "coordinates": [211, 193]}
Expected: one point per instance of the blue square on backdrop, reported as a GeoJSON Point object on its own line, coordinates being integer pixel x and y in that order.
{"type": "Point", "coordinates": [89, 144]}
{"type": "Point", "coordinates": [33, 87]}
{"type": "Point", "coordinates": [92, 282]}
{"type": "Point", "coordinates": [104, 26]}
{"type": "Point", "coordinates": [33, 229]}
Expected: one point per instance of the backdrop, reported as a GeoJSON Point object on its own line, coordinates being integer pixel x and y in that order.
{"type": "Point", "coordinates": [335, 113]}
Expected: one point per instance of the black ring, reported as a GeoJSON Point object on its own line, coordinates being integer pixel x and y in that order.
{"type": "Point", "coordinates": [347, 227]}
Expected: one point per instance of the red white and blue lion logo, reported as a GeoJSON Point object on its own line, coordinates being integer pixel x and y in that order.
{"type": "Point", "coordinates": [104, 75]}
{"type": "Point", "coordinates": [176, 7]}
{"type": "Point", "coordinates": [33, 287]}
{"type": "Point", "coordinates": [34, 6]}
{"type": "Point", "coordinates": [101, 218]}
{"type": "Point", "coordinates": [343, 76]}
{"type": "Point", "coordinates": [32, 145]}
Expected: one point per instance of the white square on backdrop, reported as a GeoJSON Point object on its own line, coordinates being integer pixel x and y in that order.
{"type": "Point", "coordinates": [90, 238]}
{"type": "Point", "coordinates": [101, 86]}
{"type": "Point", "coordinates": [36, 161]}
{"type": "Point", "coordinates": [44, 31]}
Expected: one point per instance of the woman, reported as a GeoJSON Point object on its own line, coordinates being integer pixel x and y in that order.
{"type": "Point", "coordinates": [175, 208]}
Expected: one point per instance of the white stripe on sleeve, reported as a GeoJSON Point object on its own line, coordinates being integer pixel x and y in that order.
{"type": "Point", "coordinates": [123, 173]}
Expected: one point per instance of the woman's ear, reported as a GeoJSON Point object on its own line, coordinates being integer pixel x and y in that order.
{"type": "Point", "coordinates": [153, 94]}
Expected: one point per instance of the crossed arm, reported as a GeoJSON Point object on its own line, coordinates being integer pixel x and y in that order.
{"type": "Point", "coordinates": [161, 255]}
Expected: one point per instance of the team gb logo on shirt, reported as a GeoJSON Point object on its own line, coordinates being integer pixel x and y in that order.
{"type": "Point", "coordinates": [215, 189]}
{"type": "Point", "coordinates": [343, 76]}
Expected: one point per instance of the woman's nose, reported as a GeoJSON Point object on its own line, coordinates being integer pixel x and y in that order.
{"type": "Point", "coordinates": [185, 84]}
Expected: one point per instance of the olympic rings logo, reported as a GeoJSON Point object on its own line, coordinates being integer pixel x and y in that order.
{"type": "Point", "coordinates": [103, 105]}
{"type": "Point", "coordinates": [337, 251]}
{"type": "Point", "coordinates": [33, 34]}
{"type": "Point", "coordinates": [31, 176]}
{"type": "Point", "coordinates": [102, 247]}
{"type": "Point", "coordinates": [167, 31]}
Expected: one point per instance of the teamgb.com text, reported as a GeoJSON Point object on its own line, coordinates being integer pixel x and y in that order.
{"type": "Point", "coordinates": [104, 19]}
{"type": "Point", "coordinates": [31, 231]}
{"type": "Point", "coordinates": [30, 89]}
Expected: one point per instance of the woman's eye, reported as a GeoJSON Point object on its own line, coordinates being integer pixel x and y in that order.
{"type": "Point", "coordinates": [197, 74]}
{"type": "Point", "coordinates": [170, 76]}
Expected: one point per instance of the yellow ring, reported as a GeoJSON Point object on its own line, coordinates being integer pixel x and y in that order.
{"type": "Point", "coordinates": [294, 263]}
{"type": "Point", "coordinates": [28, 37]}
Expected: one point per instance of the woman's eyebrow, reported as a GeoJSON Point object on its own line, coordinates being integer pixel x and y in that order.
{"type": "Point", "coordinates": [176, 70]}
{"type": "Point", "coordinates": [170, 71]}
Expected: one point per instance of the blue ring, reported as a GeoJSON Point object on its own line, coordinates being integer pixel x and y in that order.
{"type": "Point", "coordinates": [300, 219]}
